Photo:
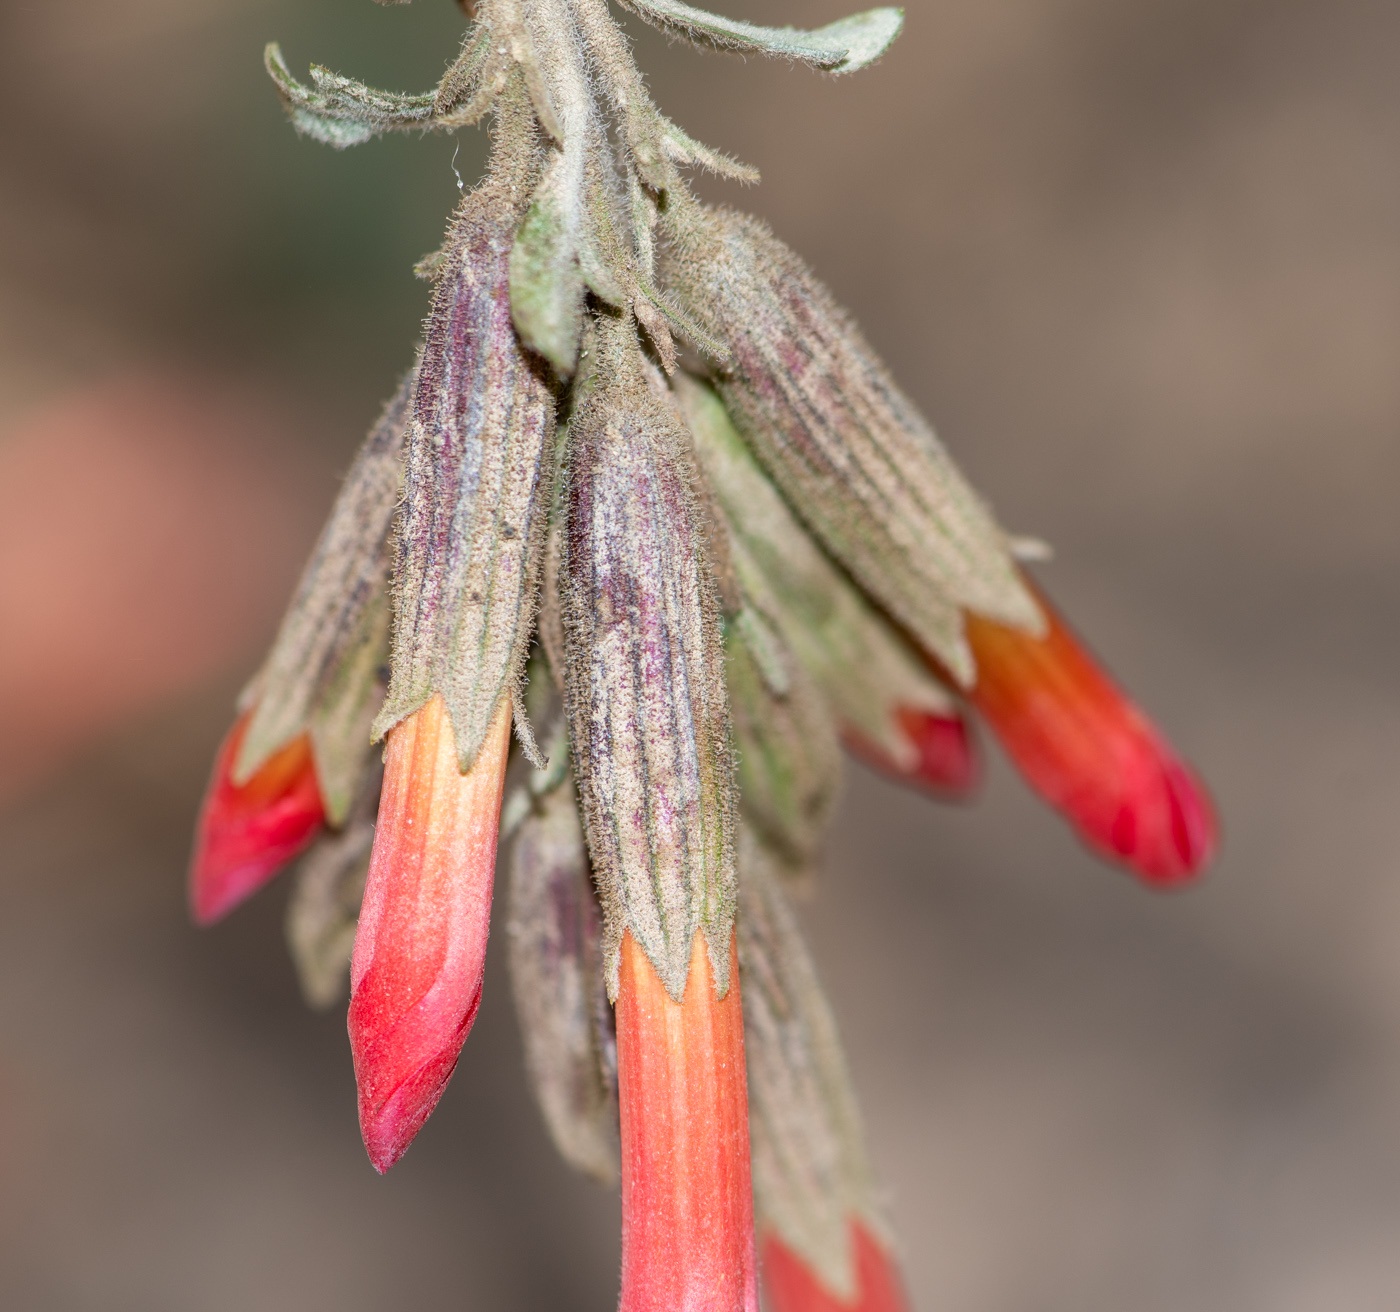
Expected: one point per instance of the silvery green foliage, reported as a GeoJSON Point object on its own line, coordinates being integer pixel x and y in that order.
{"type": "Point", "coordinates": [341, 112]}
{"type": "Point", "coordinates": [477, 487]}
{"type": "Point", "coordinates": [861, 664]}
{"type": "Point", "coordinates": [841, 440]}
{"type": "Point", "coordinates": [321, 675]}
{"type": "Point", "coordinates": [554, 242]}
{"type": "Point", "coordinates": [840, 47]}
{"type": "Point", "coordinates": [554, 933]}
{"type": "Point", "coordinates": [324, 909]}
{"type": "Point", "coordinates": [811, 1175]}
{"type": "Point", "coordinates": [644, 681]}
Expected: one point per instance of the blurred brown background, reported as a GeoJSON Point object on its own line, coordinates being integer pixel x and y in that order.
{"type": "Point", "coordinates": [1141, 264]}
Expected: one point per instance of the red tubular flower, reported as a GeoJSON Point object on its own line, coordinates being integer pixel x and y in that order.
{"type": "Point", "coordinates": [687, 1204]}
{"type": "Point", "coordinates": [942, 757]}
{"type": "Point", "coordinates": [1090, 752]}
{"type": "Point", "coordinates": [247, 832]}
{"type": "Point", "coordinates": [415, 977]}
{"type": "Point", "coordinates": [793, 1287]}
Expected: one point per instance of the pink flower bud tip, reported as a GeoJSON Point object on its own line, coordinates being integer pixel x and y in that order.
{"type": "Point", "coordinates": [247, 832]}
{"type": "Point", "coordinates": [942, 756]}
{"type": "Point", "coordinates": [416, 973]}
{"type": "Point", "coordinates": [1090, 752]}
{"type": "Point", "coordinates": [687, 1202]}
{"type": "Point", "coordinates": [792, 1286]}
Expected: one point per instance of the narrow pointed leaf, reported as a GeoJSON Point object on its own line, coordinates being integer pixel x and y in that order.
{"type": "Point", "coordinates": [840, 47]}
{"type": "Point", "coordinates": [341, 112]}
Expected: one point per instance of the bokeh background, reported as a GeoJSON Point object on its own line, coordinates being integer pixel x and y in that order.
{"type": "Point", "coordinates": [1141, 264]}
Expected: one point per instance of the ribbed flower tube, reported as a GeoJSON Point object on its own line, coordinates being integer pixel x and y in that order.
{"type": "Point", "coordinates": [1090, 752]}
{"type": "Point", "coordinates": [848, 449]}
{"type": "Point", "coordinates": [416, 972]}
{"type": "Point", "coordinates": [687, 1203]}
{"type": "Point", "coordinates": [247, 832]}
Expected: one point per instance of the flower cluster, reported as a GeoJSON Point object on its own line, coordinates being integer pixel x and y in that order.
{"type": "Point", "coordinates": [687, 575]}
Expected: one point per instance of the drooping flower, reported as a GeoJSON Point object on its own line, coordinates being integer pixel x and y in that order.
{"type": "Point", "coordinates": [1089, 751]}
{"type": "Point", "coordinates": [687, 1204]}
{"type": "Point", "coordinates": [692, 585]}
{"type": "Point", "coordinates": [247, 832]}
{"type": "Point", "coordinates": [420, 953]}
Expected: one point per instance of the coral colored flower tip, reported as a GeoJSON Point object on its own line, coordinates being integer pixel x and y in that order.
{"type": "Point", "coordinates": [247, 832]}
{"type": "Point", "coordinates": [792, 1286]}
{"type": "Point", "coordinates": [687, 1202]}
{"type": "Point", "coordinates": [942, 753]}
{"type": "Point", "coordinates": [947, 762]}
{"type": "Point", "coordinates": [420, 949]}
{"type": "Point", "coordinates": [1090, 752]}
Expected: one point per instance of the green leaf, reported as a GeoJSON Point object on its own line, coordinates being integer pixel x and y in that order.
{"type": "Point", "coordinates": [340, 111]}
{"type": "Point", "coordinates": [546, 284]}
{"type": "Point", "coordinates": [840, 47]}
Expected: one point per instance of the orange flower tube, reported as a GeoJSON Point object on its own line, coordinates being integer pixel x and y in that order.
{"type": "Point", "coordinates": [687, 1203]}
{"type": "Point", "coordinates": [1090, 752]}
{"type": "Point", "coordinates": [416, 973]}
{"type": "Point", "coordinates": [792, 1286]}
{"type": "Point", "coordinates": [246, 833]}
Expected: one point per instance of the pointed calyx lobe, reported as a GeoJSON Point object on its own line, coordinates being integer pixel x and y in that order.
{"type": "Point", "coordinates": [416, 973]}
{"type": "Point", "coordinates": [644, 683]}
{"type": "Point", "coordinates": [1090, 752]}
{"type": "Point", "coordinates": [687, 1204]}
{"type": "Point", "coordinates": [477, 486]}
{"type": "Point", "coordinates": [848, 449]}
